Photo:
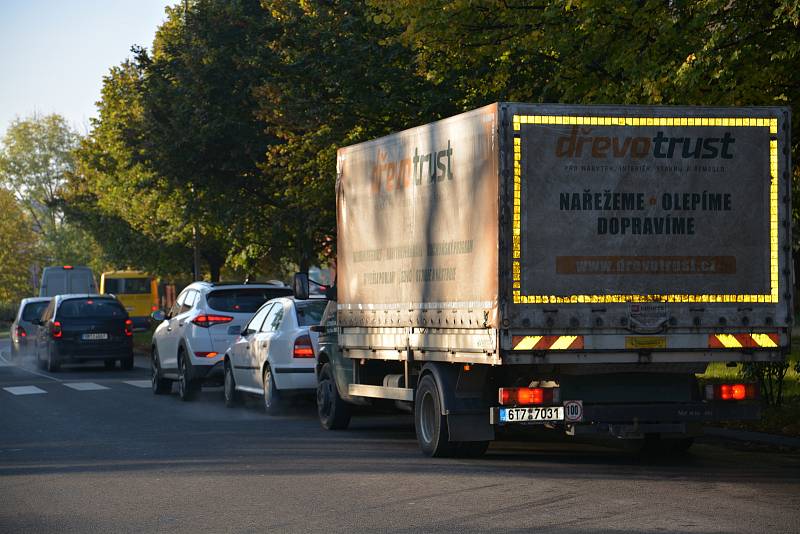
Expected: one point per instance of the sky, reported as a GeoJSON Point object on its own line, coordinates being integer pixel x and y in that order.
{"type": "Point", "coordinates": [54, 53]}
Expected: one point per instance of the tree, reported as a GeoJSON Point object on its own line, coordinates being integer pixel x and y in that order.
{"type": "Point", "coordinates": [338, 80]}
{"type": "Point", "coordinates": [199, 133]}
{"type": "Point", "coordinates": [115, 197]}
{"type": "Point", "coordinates": [17, 249]}
{"type": "Point", "coordinates": [35, 159]}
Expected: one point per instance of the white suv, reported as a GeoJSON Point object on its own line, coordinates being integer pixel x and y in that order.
{"type": "Point", "coordinates": [189, 344]}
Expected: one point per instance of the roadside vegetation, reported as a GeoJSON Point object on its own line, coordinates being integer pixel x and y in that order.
{"type": "Point", "coordinates": [777, 418]}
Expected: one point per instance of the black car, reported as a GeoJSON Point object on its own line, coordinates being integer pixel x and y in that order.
{"type": "Point", "coordinates": [79, 328]}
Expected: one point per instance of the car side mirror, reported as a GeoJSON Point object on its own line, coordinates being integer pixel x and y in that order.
{"type": "Point", "coordinates": [300, 286]}
{"type": "Point", "coordinates": [330, 293]}
{"type": "Point", "coordinates": [158, 315]}
{"type": "Point", "coordinates": [235, 330]}
{"type": "Point", "coordinates": [247, 331]}
{"type": "Point", "coordinates": [318, 328]}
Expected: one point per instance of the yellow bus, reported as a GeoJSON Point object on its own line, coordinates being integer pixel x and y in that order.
{"type": "Point", "coordinates": [137, 291]}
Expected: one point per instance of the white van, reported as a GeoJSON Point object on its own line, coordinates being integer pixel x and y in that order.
{"type": "Point", "coordinates": [65, 279]}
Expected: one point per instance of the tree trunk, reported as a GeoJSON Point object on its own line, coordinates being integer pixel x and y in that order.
{"type": "Point", "coordinates": [214, 268]}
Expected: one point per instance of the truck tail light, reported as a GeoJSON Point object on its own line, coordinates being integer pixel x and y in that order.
{"type": "Point", "coordinates": [56, 331]}
{"type": "Point", "coordinates": [527, 396]}
{"type": "Point", "coordinates": [128, 327]}
{"type": "Point", "coordinates": [21, 332]}
{"type": "Point", "coordinates": [729, 392]}
{"type": "Point", "coordinates": [205, 320]}
{"type": "Point", "coordinates": [303, 348]}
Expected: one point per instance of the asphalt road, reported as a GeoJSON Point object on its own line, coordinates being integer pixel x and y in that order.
{"type": "Point", "coordinates": [107, 455]}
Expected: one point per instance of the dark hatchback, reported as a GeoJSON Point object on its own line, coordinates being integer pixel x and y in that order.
{"type": "Point", "coordinates": [80, 328]}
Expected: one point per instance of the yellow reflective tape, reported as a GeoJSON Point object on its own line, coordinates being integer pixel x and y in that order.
{"type": "Point", "coordinates": [729, 341]}
{"type": "Point", "coordinates": [563, 342]}
{"type": "Point", "coordinates": [528, 343]}
{"type": "Point", "coordinates": [763, 340]}
{"type": "Point", "coordinates": [772, 296]}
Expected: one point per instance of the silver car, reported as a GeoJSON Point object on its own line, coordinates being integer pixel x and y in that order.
{"type": "Point", "coordinates": [23, 330]}
{"type": "Point", "coordinates": [273, 356]}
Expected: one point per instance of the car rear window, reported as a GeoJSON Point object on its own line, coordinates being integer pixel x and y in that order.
{"type": "Point", "coordinates": [127, 286]}
{"type": "Point", "coordinates": [95, 308]}
{"type": "Point", "coordinates": [309, 312]}
{"type": "Point", "coordinates": [33, 310]}
{"type": "Point", "coordinates": [244, 300]}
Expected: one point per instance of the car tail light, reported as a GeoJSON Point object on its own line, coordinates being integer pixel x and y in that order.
{"type": "Point", "coordinates": [21, 332]}
{"type": "Point", "coordinates": [56, 331]}
{"type": "Point", "coordinates": [128, 327]}
{"type": "Point", "coordinates": [527, 396]}
{"type": "Point", "coordinates": [205, 320]}
{"type": "Point", "coordinates": [303, 348]}
{"type": "Point", "coordinates": [728, 392]}
{"type": "Point", "coordinates": [153, 308]}
{"type": "Point", "coordinates": [206, 354]}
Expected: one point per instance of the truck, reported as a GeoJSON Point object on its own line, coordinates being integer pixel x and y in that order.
{"type": "Point", "coordinates": [569, 266]}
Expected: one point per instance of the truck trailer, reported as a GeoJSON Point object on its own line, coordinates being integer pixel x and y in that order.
{"type": "Point", "coordinates": [561, 265]}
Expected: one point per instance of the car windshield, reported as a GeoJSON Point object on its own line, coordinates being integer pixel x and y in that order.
{"type": "Point", "coordinates": [309, 312]}
{"type": "Point", "coordinates": [94, 308]}
{"type": "Point", "coordinates": [127, 286]}
{"type": "Point", "coordinates": [33, 310]}
{"type": "Point", "coordinates": [244, 300]}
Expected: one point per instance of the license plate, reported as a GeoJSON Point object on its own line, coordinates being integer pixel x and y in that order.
{"type": "Point", "coordinates": [522, 415]}
{"type": "Point", "coordinates": [94, 336]}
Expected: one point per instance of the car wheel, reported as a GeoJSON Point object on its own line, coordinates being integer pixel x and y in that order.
{"type": "Point", "coordinates": [53, 366]}
{"type": "Point", "coordinates": [126, 363]}
{"type": "Point", "coordinates": [231, 395]}
{"type": "Point", "coordinates": [161, 386]}
{"type": "Point", "coordinates": [334, 413]}
{"type": "Point", "coordinates": [187, 387]}
{"type": "Point", "coordinates": [110, 364]}
{"type": "Point", "coordinates": [429, 421]}
{"type": "Point", "coordinates": [272, 400]}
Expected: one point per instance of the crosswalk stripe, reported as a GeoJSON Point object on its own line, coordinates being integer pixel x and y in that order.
{"type": "Point", "coordinates": [25, 390]}
{"type": "Point", "coordinates": [84, 386]}
{"type": "Point", "coordinates": [139, 383]}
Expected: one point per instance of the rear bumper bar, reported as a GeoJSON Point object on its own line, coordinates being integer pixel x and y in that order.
{"type": "Point", "coordinates": [661, 413]}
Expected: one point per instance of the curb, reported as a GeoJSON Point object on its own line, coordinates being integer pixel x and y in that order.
{"type": "Point", "coordinates": [753, 437]}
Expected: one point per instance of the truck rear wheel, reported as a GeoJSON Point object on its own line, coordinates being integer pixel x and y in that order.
{"type": "Point", "coordinates": [334, 413]}
{"type": "Point", "coordinates": [429, 422]}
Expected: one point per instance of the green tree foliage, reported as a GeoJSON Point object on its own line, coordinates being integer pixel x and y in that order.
{"type": "Point", "coordinates": [17, 249]}
{"type": "Point", "coordinates": [199, 134]}
{"type": "Point", "coordinates": [338, 78]}
{"type": "Point", "coordinates": [115, 197]}
{"type": "Point", "coordinates": [35, 159]}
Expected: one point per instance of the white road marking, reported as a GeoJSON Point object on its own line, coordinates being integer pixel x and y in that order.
{"type": "Point", "coordinates": [139, 383]}
{"type": "Point", "coordinates": [25, 390]}
{"type": "Point", "coordinates": [84, 386]}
